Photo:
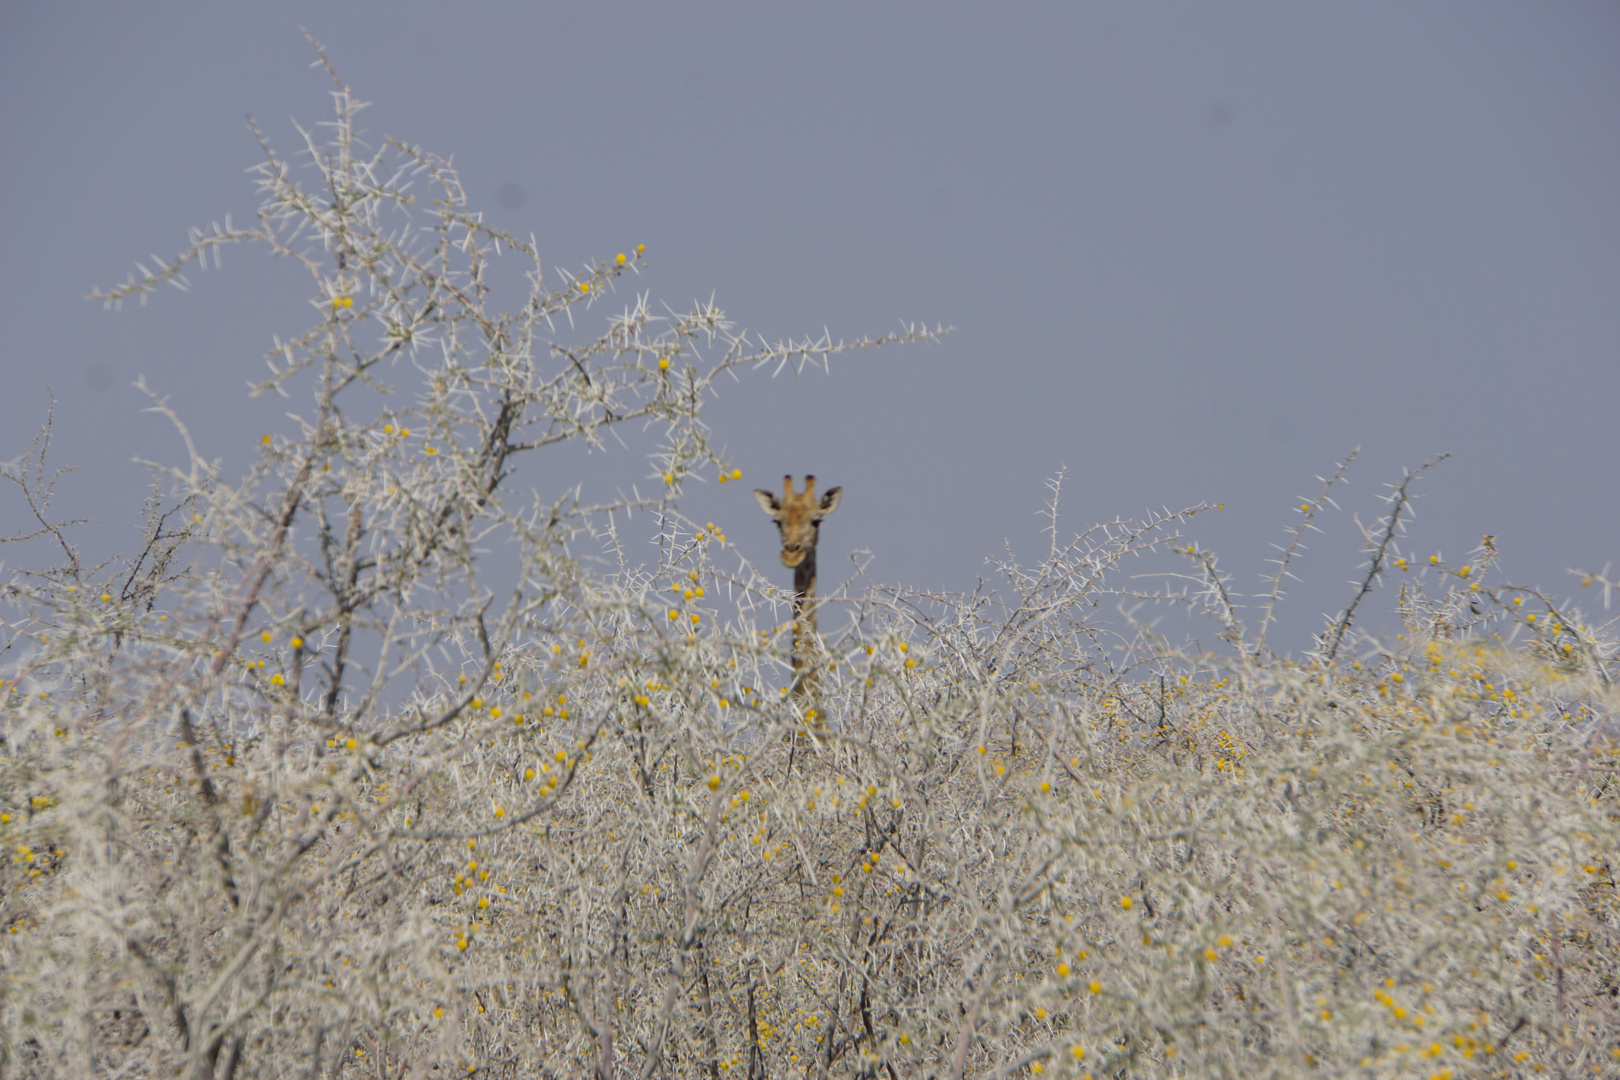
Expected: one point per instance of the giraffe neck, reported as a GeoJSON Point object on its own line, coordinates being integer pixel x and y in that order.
{"type": "Point", "coordinates": [804, 625]}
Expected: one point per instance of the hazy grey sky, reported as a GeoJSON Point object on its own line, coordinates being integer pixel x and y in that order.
{"type": "Point", "coordinates": [1194, 252]}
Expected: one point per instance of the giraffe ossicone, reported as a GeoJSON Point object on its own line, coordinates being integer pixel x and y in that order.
{"type": "Point", "coordinates": [798, 517]}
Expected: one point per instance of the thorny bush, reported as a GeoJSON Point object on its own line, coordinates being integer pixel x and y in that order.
{"type": "Point", "coordinates": [315, 785]}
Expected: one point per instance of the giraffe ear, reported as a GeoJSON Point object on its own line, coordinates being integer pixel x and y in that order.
{"type": "Point", "coordinates": [768, 502]}
{"type": "Point", "coordinates": [829, 501]}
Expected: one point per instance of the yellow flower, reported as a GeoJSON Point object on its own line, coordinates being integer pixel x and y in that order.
{"type": "Point", "coordinates": [663, 363]}
{"type": "Point", "coordinates": [736, 474]}
{"type": "Point", "coordinates": [640, 248]}
{"type": "Point", "coordinates": [585, 286]}
{"type": "Point", "coordinates": [1126, 902]}
{"type": "Point", "coordinates": [619, 259]}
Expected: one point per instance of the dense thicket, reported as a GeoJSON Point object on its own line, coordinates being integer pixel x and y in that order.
{"type": "Point", "coordinates": [376, 763]}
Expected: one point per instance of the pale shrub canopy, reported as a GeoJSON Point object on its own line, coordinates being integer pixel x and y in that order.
{"type": "Point", "coordinates": [373, 765]}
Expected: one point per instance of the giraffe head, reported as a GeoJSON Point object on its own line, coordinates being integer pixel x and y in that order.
{"type": "Point", "coordinates": [798, 516]}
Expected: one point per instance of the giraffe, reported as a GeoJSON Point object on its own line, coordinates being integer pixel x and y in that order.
{"type": "Point", "coordinates": [798, 518]}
